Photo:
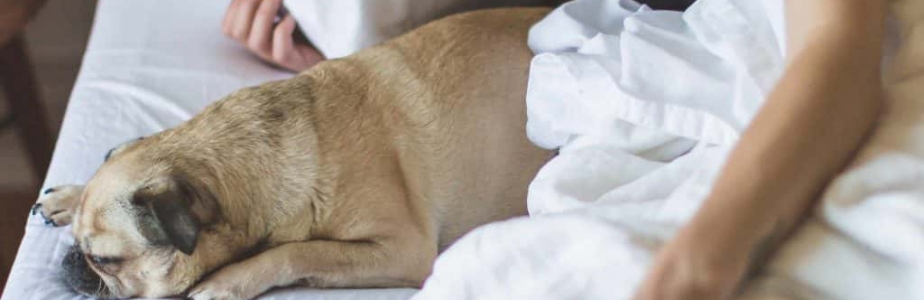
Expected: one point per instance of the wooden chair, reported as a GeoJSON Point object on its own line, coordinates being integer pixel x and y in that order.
{"type": "Point", "coordinates": [27, 114]}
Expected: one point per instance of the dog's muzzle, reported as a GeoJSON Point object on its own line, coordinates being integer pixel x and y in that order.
{"type": "Point", "coordinates": [79, 276]}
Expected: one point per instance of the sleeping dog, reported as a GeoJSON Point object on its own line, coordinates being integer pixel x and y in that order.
{"type": "Point", "coordinates": [356, 173]}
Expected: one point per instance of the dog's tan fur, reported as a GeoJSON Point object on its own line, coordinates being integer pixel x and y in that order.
{"type": "Point", "coordinates": [355, 173]}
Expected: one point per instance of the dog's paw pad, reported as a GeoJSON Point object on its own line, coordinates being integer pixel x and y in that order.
{"type": "Point", "coordinates": [56, 205]}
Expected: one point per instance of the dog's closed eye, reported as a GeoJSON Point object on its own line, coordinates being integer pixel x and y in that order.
{"type": "Point", "coordinates": [103, 260]}
{"type": "Point", "coordinates": [108, 265]}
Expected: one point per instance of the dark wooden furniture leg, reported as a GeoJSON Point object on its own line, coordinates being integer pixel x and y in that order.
{"type": "Point", "coordinates": [14, 205]}
{"type": "Point", "coordinates": [17, 78]}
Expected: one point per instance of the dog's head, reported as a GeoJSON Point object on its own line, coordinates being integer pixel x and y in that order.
{"type": "Point", "coordinates": [139, 229]}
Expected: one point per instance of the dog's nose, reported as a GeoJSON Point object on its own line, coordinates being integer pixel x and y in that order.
{"type": "Point", "coordinates": [80, 277]}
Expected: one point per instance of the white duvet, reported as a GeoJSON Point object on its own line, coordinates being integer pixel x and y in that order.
{"type": "Point", "coordinates": [644, 105]}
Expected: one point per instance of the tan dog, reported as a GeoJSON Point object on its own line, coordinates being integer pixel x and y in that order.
{"type": "Point", "coordinates": [353, 174]}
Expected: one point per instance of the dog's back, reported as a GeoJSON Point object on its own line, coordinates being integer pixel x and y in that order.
{"type": "Point", "coordinates": [460, 113]}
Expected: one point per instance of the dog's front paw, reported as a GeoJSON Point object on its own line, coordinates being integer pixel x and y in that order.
{"type": "Point", "coordinates": [57, 204]}
{"type": "Point", "coordinates": [213, 293]}
{"type": "Point", "coordinates": [233, 282]}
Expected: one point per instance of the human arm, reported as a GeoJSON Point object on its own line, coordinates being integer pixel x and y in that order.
{"type": "Point", "coordinates": [812, 123]}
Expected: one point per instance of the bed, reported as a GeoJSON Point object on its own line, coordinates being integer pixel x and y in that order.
{"type": "Point", "coordinates": [143, 74]}
{"type": "Point", "coordinates": [149, 65]}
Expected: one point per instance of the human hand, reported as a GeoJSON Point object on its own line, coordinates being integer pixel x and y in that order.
{"type": "Point", "coordinates": [692, 268]}
{"type": "Point", "coordinates": [252, 23]}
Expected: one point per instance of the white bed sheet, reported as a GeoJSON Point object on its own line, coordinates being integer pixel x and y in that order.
{"type": "Point", "coordinates": [149, 66]}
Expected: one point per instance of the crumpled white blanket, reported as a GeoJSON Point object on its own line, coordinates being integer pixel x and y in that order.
{"type": "Point", "coordinates": [644, 105]}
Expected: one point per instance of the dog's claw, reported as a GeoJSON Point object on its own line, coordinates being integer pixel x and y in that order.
{"type": "Point", "coordinates": [57, 206]}
{"type": "Point", "coordinates": [35, 208]}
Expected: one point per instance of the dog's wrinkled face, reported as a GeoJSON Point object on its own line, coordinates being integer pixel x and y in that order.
{"type": "Point", "coordinates": [136, 230]}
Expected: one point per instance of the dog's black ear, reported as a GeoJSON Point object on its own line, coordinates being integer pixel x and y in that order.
{"type": "Point", "coordinates": [166, 214]}
{"type": "Point", "coordinates": [118, 149]}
